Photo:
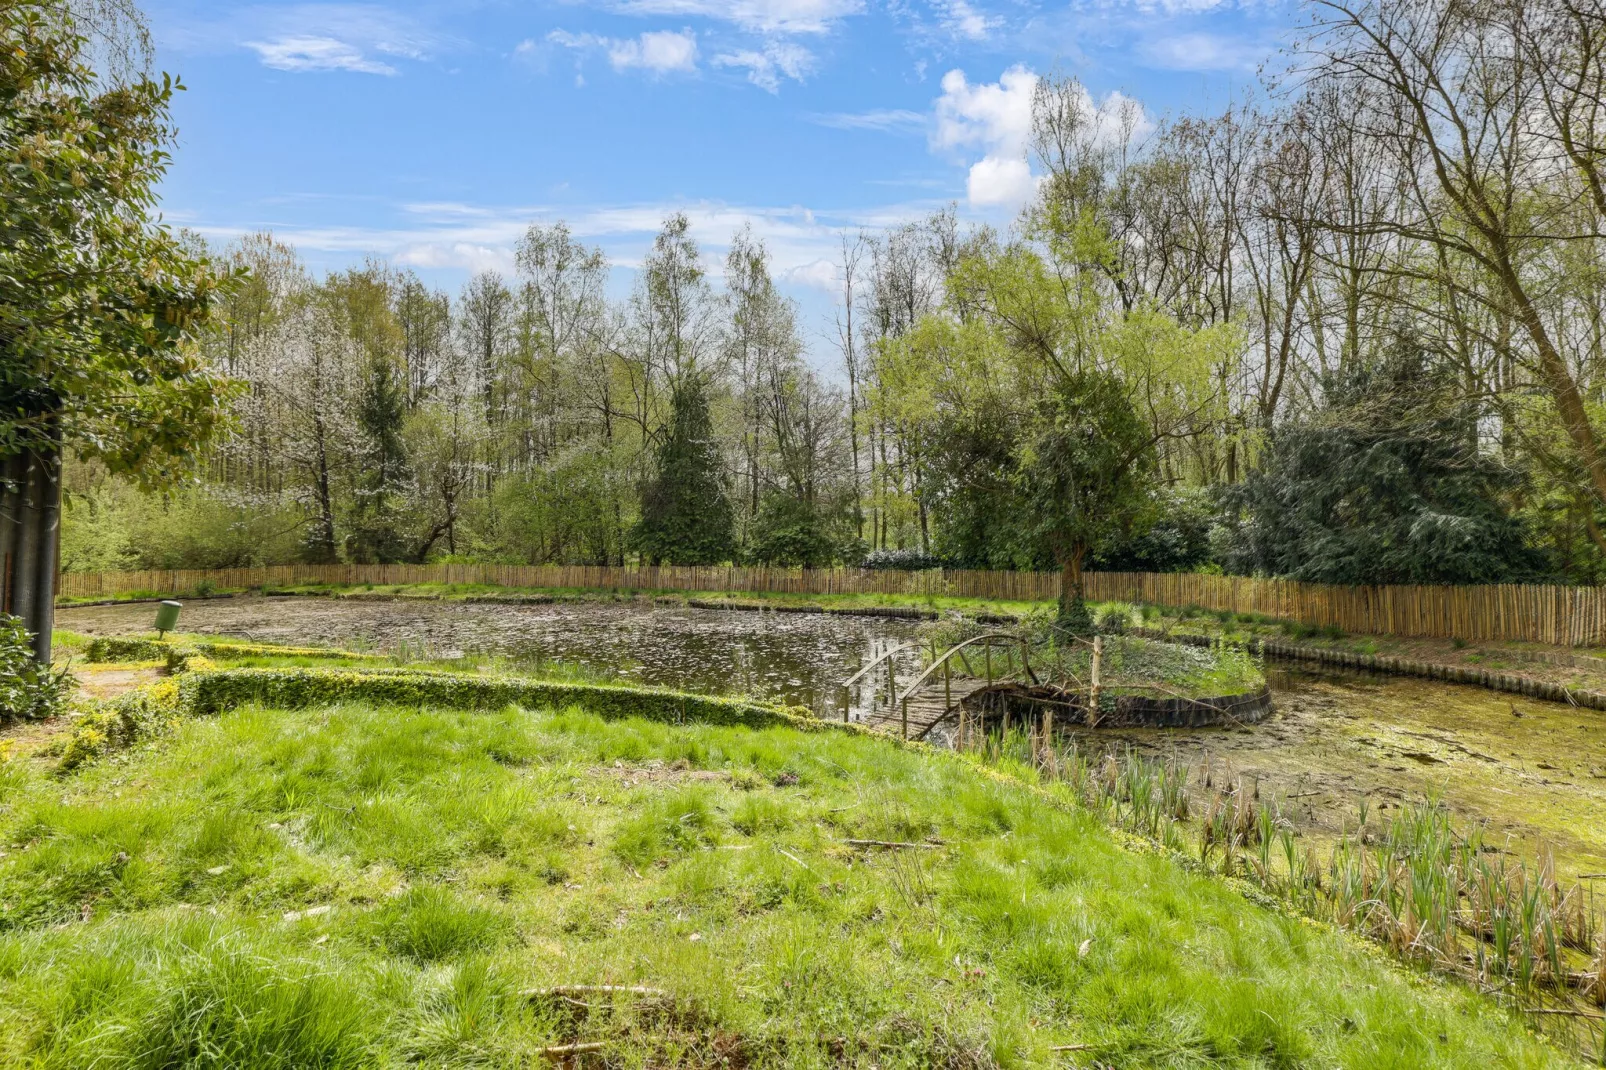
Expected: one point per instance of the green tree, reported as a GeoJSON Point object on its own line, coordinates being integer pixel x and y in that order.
{"type": "Point", "coordinates": [686, 516]}
{"type": "Point", "coordinates": [98, 302]}
{"type": "Point", "coordinates": [790, 531]}
{"type": "Point", "coordinates": [1085, 477]}
{"type": "Point", "coordinates": [381, 417]}
{"type": "Point", "coordinates": [1386, 485]}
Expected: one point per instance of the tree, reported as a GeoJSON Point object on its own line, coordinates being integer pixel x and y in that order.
{"type": "Point", "coordinates": [686, 516]}
{"type": "Point", "coordinates": [1085, 477]}
{"type": "Point", "coordinates": [1485, 121]}
{"type": "Point", "coordinates": [99, 303]}
{"type": "Point", "coordinates": [790, 531]}
{"type": "Point", "coordinates": [1388, 485]}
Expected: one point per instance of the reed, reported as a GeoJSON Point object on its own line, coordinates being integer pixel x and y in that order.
{"type": "Point", "coordinates": [1413, 881]}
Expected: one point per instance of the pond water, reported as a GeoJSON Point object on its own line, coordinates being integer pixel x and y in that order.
{"type": "Point", "coordinates": [1535, 772]}
{"type": "Point", "coordinates": [799, 659]}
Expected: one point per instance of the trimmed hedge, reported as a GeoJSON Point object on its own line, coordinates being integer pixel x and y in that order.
{"type": "Point", "coordinates": [120, 723]}
{"type": "Point", "coordinates": [207, 692]}
{"type": "Point", "coordinates": [120, 648]}
{"type": "Point", "coordinates": [126, 648]}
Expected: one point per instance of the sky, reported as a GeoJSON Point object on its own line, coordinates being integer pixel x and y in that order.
{"type": "Point", "coordinates": [431, 135]}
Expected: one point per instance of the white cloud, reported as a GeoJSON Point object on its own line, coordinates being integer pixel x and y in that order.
{"type": "Point", "coordinates": [316, 54]}
{"type": "Point", "coordinates": [997, 119]}
{"type": "Point", "coordinates": [658, 51]}
{"type": "Point", "coordinates": [883, 119]}
{"type": "Point", "coordinates": [472, 237]}
{"type": "Point", "coordinates": [962, 20]}
{"type": "Point", "coordinates": [313, 37]}
{"type": "Point", "coordinates": [764, 69]}
{"type": "Point", "coordinates": [1203, 52]}
{"type": "Point", "coordinates": [822, 274]}
{"type": "Point", "coordinates": [1000, 181]}
{"type": "Point", "coordinates": [995, 116]}
{"type": "Point", "coordinates": [764, 16]}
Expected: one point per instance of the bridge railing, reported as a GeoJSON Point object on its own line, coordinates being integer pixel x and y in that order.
{"type": "Point", "coordinates": [944, 661]}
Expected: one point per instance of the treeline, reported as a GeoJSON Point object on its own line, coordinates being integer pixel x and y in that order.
{"type": "Point", "coordinates": [1347, 331]}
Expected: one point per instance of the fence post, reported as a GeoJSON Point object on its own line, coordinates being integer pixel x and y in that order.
{"type": "Point", "coordinates": [1095, 689]}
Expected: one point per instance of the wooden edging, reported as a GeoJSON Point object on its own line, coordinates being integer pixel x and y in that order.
{"type": "Point", "coordinates": [1470, 675]}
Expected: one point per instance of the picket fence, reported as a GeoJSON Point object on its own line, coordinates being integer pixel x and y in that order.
{"type": "Point", "coordinates": [1563, 616]}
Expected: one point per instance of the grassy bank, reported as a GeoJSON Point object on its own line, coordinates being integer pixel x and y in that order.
{"type": "Point", "coordinates": [370, 884]}
{"type": "Point", "coordinates": [1577, 667]}
{"type": "Point", "coordinates": [840, 602]}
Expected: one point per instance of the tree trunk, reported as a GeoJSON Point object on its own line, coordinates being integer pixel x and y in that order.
{"type": "Point", "coordinates": [1073, 613]}
{"type": "Point", "coordinates": [30, 539]}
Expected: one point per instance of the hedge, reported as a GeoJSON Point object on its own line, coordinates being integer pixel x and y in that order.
{"type": "Point", "coordinates": [124, 648]}
{"type": "Point", "coordinates": [213, 691]}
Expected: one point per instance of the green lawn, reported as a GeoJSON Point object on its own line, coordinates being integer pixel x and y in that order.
{"type": "Point", "coordinates": [370, 886]}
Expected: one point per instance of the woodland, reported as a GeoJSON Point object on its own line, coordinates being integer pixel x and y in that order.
{"type": "Point", "coordinates": [1348, 329]}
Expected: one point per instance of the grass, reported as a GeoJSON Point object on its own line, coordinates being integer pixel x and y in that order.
{"type": "Point", "coordinates": [449, 592]}
{"type": "Point", "coordinates": [1129, 664]}
{"type": "Point", "coordinates": [363, 885]}
{"type": "Point", "coordinates": [1414, 881]}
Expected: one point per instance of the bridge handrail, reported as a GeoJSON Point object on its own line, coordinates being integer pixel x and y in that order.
{"type": "Point", "coordinates": [862, 673]}
{"type": "Point", "coordinates": [939, 662]}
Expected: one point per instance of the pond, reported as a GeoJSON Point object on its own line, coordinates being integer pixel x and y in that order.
{"type": "Point", "coordinates": [799, 659]}
{"type": "Point", "coordinates": [1534, 771]}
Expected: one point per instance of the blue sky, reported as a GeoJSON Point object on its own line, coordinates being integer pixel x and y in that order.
{"type": "Point", "coordinates": [432, 134]}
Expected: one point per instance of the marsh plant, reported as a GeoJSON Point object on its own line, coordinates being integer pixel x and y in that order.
{"type": "Point", "coordinates": [1413, 881]}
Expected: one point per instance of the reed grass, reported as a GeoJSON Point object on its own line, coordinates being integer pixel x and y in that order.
{"type": "Point", "coordinates": [1429, 891]}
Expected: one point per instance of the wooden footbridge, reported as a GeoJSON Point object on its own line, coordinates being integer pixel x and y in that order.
{"type": "Point", "coordinates": [978, 663]}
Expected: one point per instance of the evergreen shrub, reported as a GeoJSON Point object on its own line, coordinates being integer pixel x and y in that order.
{"type": "Point", "coordinates": [28, 690]}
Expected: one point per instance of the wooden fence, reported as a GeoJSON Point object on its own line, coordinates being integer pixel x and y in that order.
{"type": "Point", "coordinates": [1563, 616]}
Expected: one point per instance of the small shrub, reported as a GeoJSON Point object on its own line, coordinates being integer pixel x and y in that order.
{"type": "Point", "coordinates": [28, 690]}
{"type": "Point", "coordinates": [1459, 644]}
{"type": "Point", "coordinates": [1114, 619]}
{"type": "Point", "coordinates": [1333, 631]}
{"type": "Point", "coordinates": [901, 560]}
